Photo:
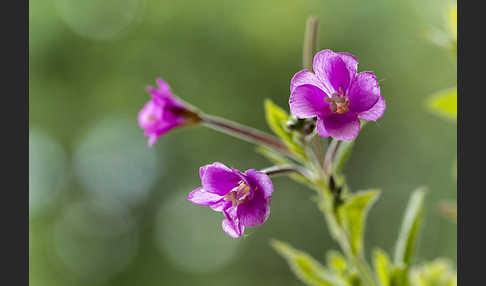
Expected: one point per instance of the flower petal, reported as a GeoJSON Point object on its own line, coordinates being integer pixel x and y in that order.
{"type": "Point", "coordinates": [260, 181]}
{"type": "Point", "coordinates": [332, 70]}
{"type": "Point", "coordinates": [231, 225]}
{"type": "Point", "coordinates": [307, 101]}
{"type": "Point", "coordinates": [150, 115]}
{"type": "Point", "coordinates": [220, 205]}
{"type": "Point", "coordinates": [375, 112]}
{"type": "Point", "coordinates": [254, 211]}
{"type": "Point", "coordinates": [364, 92]}
{"type": "Point", "coordinates": [164, 87]}
{"type": "Point", "coordinates": [351, 63]}
{"type": "Point", "coordinates": [200, 197]}
{"type": "Point", "coordinates": [219, 179]}
{"type": "Point", "coordinates": [342, 126]}
{"type": "Point", "coordinates": [321, 130]}
{"type": "Point", "coordinates": [232, 229]}
{"type": "Point", "coordinates": [305, 77]}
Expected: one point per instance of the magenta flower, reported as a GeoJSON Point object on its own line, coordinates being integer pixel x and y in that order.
{"type": "Point", "coordinates": [163, 112]}
{"type": "Point", "coordinates": [244, 198]}
{"type": "Point", "coordinates": [337, 94]}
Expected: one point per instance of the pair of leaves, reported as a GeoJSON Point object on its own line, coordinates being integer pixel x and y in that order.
{"type": "Point", "coordinates": [306, 268]}
{"type": "Point", "coordinates": [277, 119]}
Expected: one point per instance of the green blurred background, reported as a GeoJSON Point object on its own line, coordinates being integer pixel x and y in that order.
{"type": "Point", "coordinates": [107, 210]}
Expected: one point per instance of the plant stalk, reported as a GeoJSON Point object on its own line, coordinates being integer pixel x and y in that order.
{"type": "Point", "coordinates": [285, 170]}
{"type": "Point", "coordinates": [310, 42]}
{"type": "Point", "coordinates": [245, 133]}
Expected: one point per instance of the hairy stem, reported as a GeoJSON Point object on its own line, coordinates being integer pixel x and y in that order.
{"type": "Point", "coordinates": [246, 133]}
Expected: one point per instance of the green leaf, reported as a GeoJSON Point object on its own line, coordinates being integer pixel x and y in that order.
{"type": "Point", "coordinates": [306, 268]}
{"type": "Point", "coordinates": [383, 267]}
{"type": "Point", "coordinates": [353, 215]}
{"type": "Point", "coordinates": [277, 119]}
{"type": "Point", "coordinates": [410, 229]}
{"type": "Point", "coordinates": [444, 103]}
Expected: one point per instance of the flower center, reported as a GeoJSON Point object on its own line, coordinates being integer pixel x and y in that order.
{"type": "Point", "coordinates": [339, 103]}
{"type": "Point", "coordinates": [238, 194]}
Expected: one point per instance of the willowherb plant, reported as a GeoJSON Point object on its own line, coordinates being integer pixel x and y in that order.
{"type": "Point", "coordinates": [333, 101]}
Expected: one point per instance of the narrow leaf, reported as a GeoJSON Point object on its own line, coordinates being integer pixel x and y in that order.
{"type": "Point", "coordinates": [306, 268]}
{"type": "Point", "coordinates": [410, 228]}
{"type": "Point", "coordinates": [277, 119]}
{"type": "Point", "coordinates": [353, 215]}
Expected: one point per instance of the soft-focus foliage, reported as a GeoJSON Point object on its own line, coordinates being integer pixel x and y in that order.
{"type": "Point", "coordinates": [436, 273]}
{"type": "Point", "coordinates": [444, 103]}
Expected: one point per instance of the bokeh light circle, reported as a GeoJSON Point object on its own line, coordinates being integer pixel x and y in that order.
{"type": "Point", "coordinates": [47, 170]}
{"type": "Point", "coordinates": [114, 163]}
{"type": "Point", "coordinates": [96, 242]}
{"type": "Point", "coordinates": [191, 236]}
{"type": "Point", "coordinates": [98, 20]}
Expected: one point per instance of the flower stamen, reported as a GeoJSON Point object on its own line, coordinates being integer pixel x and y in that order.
{"type": "Point", "coordinates": [238, 194]}
{"type": "Point", "coordinates": [339, 103]}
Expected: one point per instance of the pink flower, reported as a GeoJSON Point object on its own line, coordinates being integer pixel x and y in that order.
{"type": "Point", "coordinates": [163, 112]}
{"type": "Point", "coordinates": [337, 94]}
{"type": "Point", "coordinates": [244, 198]}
